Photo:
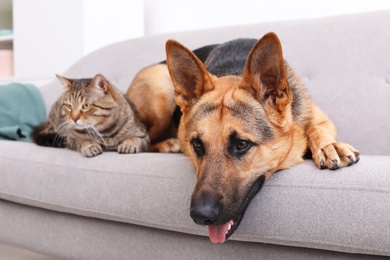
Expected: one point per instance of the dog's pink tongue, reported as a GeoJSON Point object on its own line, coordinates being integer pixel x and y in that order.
{"type": "Point", "coordinates": [217, 234]}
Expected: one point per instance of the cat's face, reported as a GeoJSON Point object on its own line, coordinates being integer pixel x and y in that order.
{"type": "Point", "coordinates": [87, 103]}
{"type": "Point", "coordinates": [81, 113]}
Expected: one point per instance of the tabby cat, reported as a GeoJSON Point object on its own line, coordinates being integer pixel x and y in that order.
{"type": "Point", "coordinates": [92, 116]}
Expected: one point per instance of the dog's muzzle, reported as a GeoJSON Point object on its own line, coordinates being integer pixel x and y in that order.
{"type": "Point", "coordinates": [206, 209]}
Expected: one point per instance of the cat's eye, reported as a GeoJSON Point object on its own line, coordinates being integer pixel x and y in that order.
{"type": "Point", "coordinates": [85, 106]}
{"type": "Point", "coordinates": [68, 105]}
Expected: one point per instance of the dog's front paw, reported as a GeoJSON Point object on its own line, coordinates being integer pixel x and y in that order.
{"type": "Point", "coordinates": [91, 150]}
{"type": "Point", "coordinates": [171, 145]}
{"type": "Point", "coordinates": [335, 155]}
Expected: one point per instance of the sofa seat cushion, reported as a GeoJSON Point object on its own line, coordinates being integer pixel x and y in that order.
{"type": "Point", "coordinates": [344, 210]}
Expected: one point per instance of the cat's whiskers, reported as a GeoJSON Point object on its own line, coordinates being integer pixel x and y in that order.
{"type": "Point", "coordinates": [92, 130]}
{"type": "Point", "coordinates": [61, 132]}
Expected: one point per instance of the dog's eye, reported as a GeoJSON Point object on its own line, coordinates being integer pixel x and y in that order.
{"type": "Point", "coordinates": [242, 144]}
{"type": "Point", "coordinates": [198, 147]}
{"type": "Point", "coordinates": [239, 147]}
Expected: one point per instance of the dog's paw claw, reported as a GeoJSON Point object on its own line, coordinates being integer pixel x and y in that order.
{"type": "Point", "coordinates": [335, 164]}
{"type": "Point", "coordinates": [335, 155]}
{"type": "Point", "coordinates": [352, 160]}
{"type": "Point", "coordinates": [322, 164]}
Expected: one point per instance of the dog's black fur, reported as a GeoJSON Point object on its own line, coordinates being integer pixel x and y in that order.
{"type": "Point", "coordinates": [220, 64]}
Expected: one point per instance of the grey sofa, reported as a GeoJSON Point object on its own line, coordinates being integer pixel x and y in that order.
{"type": "Point", "coordinates": [58, 203]}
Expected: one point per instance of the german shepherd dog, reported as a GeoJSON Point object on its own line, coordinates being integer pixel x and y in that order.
{"type": "Point", "coordinates": [244, 114]}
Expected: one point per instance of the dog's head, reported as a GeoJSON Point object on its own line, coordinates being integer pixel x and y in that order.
{"type": "Point", "coordinates": [234, 129]}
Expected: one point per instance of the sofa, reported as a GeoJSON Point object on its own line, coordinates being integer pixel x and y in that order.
{"type": "Point", "coordinates": [136, 206]}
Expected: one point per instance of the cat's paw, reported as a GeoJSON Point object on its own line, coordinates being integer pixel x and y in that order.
{"type": "Point", "coordinates": [133, 145]}
{"type": "Point", "coordinates": [335, 155]}
{"type": "Point", "coordinates": [91, 150]}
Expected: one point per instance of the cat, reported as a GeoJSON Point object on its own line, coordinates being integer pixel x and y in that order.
{"type": "Point", "coordinates": [91, 116]}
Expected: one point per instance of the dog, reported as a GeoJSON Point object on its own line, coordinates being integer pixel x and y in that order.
{"type": "Point", "coordinates": [244, 115]}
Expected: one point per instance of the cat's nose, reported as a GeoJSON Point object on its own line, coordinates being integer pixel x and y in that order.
{"type": "Point", "coordinates": [75, 117]}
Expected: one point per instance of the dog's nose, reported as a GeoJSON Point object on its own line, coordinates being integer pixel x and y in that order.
{"type": "Point", "coordinates": [204, 211]}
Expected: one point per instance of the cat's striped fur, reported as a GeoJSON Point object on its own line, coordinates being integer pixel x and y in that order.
{"type": "Point", "coordinates": [92, 116]}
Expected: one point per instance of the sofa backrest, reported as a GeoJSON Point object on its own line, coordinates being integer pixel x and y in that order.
{"type": "Point", "coordinates": [344, 62]}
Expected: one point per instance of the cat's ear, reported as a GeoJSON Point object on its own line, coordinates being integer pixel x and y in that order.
{"type": "Point", "coordinates": [100, 82]}
{"type": "Point", "coordinates": [65, 82]}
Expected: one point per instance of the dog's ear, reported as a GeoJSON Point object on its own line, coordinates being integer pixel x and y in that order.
{"type": "Point", "coordinates": [265, 73]}
{"type": "Point", "coordinates": [189, 76]}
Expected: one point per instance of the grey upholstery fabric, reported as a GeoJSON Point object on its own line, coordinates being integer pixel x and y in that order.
{"type": "Point", "coordinates": [113, 206]}
{"type": "Point", "coordinates": [78, 238]}
{"type": "Point", "coordinates": [340, 210]}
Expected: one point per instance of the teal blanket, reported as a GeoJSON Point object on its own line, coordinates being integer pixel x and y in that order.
{"type": "Point", "coordinates": [21, 108]}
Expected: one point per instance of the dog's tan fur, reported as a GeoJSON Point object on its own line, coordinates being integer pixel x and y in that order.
{"type": "Point", "coordinates": [153, 93]}
{"type": "Point", "coordinates": [235, 129]}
